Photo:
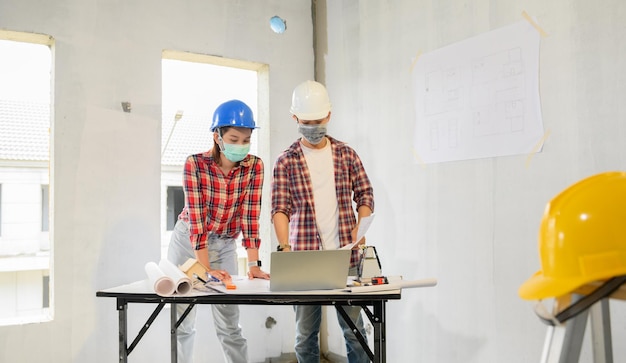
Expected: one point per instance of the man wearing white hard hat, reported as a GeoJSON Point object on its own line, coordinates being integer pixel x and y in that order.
{"type": "Point", "coordinates": [314, 184]}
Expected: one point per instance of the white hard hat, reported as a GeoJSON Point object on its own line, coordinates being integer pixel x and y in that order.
{"type": "Point", "coordinates": [310, 101]}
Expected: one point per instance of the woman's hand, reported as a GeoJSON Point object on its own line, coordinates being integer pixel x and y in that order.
{"type": "Point", "coordinates": [220, 274]}
{"type": "Point", "coordinates": [256, 272]}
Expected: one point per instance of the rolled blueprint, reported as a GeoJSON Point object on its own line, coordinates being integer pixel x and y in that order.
{"type": "Point", "coordinates": [401, 284]}
{"type": "Point", "coordinates": [182, 281]}
{"type": "Point", "coordinates": [163, 285]}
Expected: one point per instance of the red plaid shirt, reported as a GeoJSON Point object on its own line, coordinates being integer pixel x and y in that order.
{"type": "Point", "coordinates": [225, 205]}
{"type": "Point", "coordinates": [292, 194]}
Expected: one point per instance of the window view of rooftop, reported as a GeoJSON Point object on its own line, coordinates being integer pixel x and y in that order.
{"type": "Point", "coordinates": [25, 70]}
{"type": "Point", "coordinates": [191, 92]}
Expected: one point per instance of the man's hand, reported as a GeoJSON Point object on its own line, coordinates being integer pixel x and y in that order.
{"type": "Point", "coordinates": [361, 241]}
{"type": "Point", "coordinates": [256, 272]}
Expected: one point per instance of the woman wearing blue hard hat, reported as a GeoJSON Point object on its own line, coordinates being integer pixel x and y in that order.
{"type": "Point", "coordinates": [222, 200]}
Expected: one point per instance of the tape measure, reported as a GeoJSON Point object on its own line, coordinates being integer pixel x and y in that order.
{"type": "Point", "coordinates": [379, 280]}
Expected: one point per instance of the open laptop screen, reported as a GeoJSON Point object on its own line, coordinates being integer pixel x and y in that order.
{"type": "Point", "coordinates": [309, 270]}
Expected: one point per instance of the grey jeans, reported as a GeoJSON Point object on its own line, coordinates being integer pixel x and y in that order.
{"type": "Point", "coordinates": [222, 256]}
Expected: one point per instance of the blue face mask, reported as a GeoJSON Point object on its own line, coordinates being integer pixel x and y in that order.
{"type": "Point", "coordinates": [235, 152]}
{"type": "Point", "coordinates": [312, 133]}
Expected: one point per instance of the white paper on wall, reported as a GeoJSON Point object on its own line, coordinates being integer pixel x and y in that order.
{"type": "Point", "coordinates": [479, 97]}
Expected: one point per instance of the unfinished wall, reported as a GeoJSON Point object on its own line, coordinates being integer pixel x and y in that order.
{"type": "Point", "coordinates": [106, 163]}
{"type": "Point", "coordinates": [472, 224]}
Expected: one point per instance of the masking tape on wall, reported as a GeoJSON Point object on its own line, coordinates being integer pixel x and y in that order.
{"type": "Point", "coordinates": [417, 56]}
{"type": "Point", "coordinates": [537, 146]}
{"type": "Point", "coordinates": [534, 24]}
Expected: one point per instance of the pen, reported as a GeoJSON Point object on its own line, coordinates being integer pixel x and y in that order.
{"type": "Point", "coordinates": [211, 278]}
{"type": "Point", "coordinates": [200, 278]}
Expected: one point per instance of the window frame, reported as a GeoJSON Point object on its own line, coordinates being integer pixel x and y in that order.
{"type": "Point", "coordinates": [262, 135]}
{"type": "Point", "coordinates": [37, 267]}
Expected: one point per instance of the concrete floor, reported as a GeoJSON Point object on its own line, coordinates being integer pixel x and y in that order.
{"type": "Point", "coordinates": [291, 358]}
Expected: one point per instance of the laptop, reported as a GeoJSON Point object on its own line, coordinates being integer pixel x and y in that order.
{"type": "Point", "coordinates": [309, 270]}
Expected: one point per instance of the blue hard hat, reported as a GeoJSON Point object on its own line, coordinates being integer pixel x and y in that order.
{"type": "Point", "coordinates": [233, 113]}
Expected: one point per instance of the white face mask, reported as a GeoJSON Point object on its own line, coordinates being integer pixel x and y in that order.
{"type": "Point", "coordinates": [312, 133]}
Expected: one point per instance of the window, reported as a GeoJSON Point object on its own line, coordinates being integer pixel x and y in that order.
{"type": "Point", "coordinates": [175, 203]}
{"type": "Point", "coordinates": [45, 208]}
{"type": "Point", "coordinates": [193, 86]}
{"type": "Point", "coordinates": [25, 121]}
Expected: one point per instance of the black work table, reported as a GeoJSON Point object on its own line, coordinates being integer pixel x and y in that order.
{"type": "Point", "coordinates": [142, 293]}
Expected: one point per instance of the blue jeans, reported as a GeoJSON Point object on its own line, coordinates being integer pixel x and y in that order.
{"type": "Point", "coordinates": [222, 256]}
{"type": "Point", "coordinates": [308, 319]}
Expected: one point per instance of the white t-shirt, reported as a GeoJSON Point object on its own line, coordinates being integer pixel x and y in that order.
{"type": "Point", "coordinates": [322, 172]}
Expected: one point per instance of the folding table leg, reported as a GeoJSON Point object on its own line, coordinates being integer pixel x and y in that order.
{"type": "Point", "coordinates": [173, 334]}
{"type": "Point", "coordinates": [380, 338]}
{"type": "Point", "coordinates": [122, 308]}
{"type": "Point", "coordinates": [174, 324]}
{"type": "Point", "coordinates": [377, 319]}
{"type": "Point", "coordinates": [362, 340]}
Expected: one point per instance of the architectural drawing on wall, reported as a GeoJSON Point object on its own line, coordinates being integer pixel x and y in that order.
{"type": "Point", "coordinates": [479, 97]}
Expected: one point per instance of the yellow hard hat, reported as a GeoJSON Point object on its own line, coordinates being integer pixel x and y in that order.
{"type": "Point", "coordinates": [582, 237]}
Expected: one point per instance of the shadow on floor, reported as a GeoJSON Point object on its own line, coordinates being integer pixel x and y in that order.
{"type": "Point", "coordinates": [291, 358]}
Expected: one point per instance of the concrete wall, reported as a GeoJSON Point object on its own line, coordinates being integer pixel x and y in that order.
{"type": "Point", "coordinates": [472, 224]}
{"type": "Point", "coordinates": [106, 163]}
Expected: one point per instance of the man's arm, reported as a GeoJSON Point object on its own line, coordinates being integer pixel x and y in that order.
{"type": "Point", "coordinates": [363, 211]}
{"type": "Point", "coordinates": [281, 227]}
